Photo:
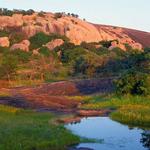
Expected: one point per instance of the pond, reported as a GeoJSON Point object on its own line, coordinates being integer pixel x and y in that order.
{"type": "Point", "coordinates": [114, 135]}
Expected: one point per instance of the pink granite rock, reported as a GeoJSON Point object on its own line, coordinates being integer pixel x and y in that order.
{"type": "Point", "coordinates": [4, 42]}
{"type": "Point", "coordinates": [24, 45]}
{"type": "Point", "coordinates": [54, 43]}
{"type": "Point", "coordinates": [75, 29]}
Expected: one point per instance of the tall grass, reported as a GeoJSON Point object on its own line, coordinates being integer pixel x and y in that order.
{"type": "Point", "coordinates": [28, 130]}
{"type": "Point", "coordinates": [136, 115]}
{"type": "Point", "coordinates": [112, 101]}
{"type": "Point", "coordinates": [132, 110]}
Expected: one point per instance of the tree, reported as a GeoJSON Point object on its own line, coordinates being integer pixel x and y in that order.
{"type": "Point", "coordinates": [133, 82]}
{"type": "Point", "coordinates": [8, 66]}
{"type": "Point", "coordinates": [44, 51]}
{"type": "Point", "coordinates": [38, 40]}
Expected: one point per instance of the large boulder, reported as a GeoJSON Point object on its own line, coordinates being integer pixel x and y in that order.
{"type": "Point", "coordinates": [54, 43]}
{"type": "Point", "coordinates": [24, 45]}
{"type": "Point", "coordinates": [4, 42]}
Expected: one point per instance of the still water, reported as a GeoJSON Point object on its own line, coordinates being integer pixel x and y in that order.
{"type": "Point", "coordinates": [114, 135]}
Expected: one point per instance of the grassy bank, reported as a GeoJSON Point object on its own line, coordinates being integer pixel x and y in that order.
{"type": "Point", "coordinates": [28, 130]}
{"type": "Point", "coordinates": [132, 110]}
{"type": "Point", "coordinates": [137, 115]}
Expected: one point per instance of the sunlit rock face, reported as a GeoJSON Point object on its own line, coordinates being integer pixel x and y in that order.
{"type": "Point", "coordinates": [4, 42]}
{"type": "Point", "coordinates": [24, 45]}
{"type": "Point", "coordinates": [54, 43]}
{"type": "Point", "coordinates": [75, 29]}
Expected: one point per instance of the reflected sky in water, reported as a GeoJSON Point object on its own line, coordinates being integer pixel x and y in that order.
{"type": "Point", "coordinates": [115, 135]}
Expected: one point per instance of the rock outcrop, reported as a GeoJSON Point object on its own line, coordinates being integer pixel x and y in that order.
{"type": "Point", "coordinates": [4, 42]}
{"type": "Point", "coordinates": [54, 43]}
{"type": "Point", "coordinates": [24, 45]}
{"type": "Point", "coordinates": [75, 29]}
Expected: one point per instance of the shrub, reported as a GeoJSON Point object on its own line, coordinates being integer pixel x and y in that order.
{"type": "Point", "coordinates": [16, 37]}
{"type": "Point", "coordinates": [6, 12]}
{"type": "Point", "coordinates": [106, 44]}
{"type": "Point", "coordinates": [65, 46]}
{"type": "Point", "coordinates": [4, 33]}
{"type": "Point", "coordinates": [133, 82]}
{"type": "Point", "coordinates": [44, 51]}
{"type": "Point", "coordinates": [58, 15]}
{"type": "Point", "coordinates": [38, 40]}
{"type": "Point", "coordinates": [89, 46]}
{"type": "Point", "coordinates": [22, 56]}
{"type": "Point", "coordinates": [41, 38]}
{"type": "Point", "coordinates": [70, 55]}
{"type": "Point", "coordinates": [87, 64]}
{"type": "Point", "coordinates": [8, 66]}
{"type": "Point", "coordinates": [41, 14]}
{"type": "Point", "coordinates": [4, 50]}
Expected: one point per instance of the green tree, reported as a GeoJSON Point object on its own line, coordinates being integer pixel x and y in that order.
{"type": "Point", "coordinates": [44, 51]}
{"type": "Point", "coordinates": [8, 66]}
{"type": "Point", "coordinates": [133, 82]}
{"type": "Point", "coordinates": [38, 40]}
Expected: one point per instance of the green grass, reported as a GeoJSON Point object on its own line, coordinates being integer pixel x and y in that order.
{"type": "Point", "coordinates": [132, 110]}
{"type": "Point", "coordinates": [137, 115]}
{"type": "Point", "coordinates": [28, 130]}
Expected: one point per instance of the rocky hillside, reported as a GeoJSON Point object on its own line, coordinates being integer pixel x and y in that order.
{"type": "Point", "coordinates": [138, 36]}
{"type": "Point", "coordinates": [77, 30]}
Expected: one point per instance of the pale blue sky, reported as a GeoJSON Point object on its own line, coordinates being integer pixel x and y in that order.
{"type": "Point", "coordinates": [127, 13]}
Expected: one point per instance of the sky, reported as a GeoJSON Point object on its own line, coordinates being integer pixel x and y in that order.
{"type": "Point", "coordinates": [125, 13]}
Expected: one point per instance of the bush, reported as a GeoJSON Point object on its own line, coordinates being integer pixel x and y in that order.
{"type": "Point", "coordinates": [70, 55]}
{"type": "Point", "coordinates": [87, 64]}
{"type": "Point", "coordinates": [106, 44]}
{"type": "Point", "coordinates": [6, 12]}
{"type": "Point", "coordinates": [44, 51]}
{"type": "Point", "coordinates": [89, 46]}
{"type": "Point", "coordinates": [4, 33]}
{"type": "Point", "coordinates": [58, 15]}
{"type": "Point", "coordinates": [39, 39]}
{"type": "Point", "coordinates": [16, 37]}
{"type": "Point", "coordinates": [4, 50]}
{"type": "Point", "coordinates": [8, 66]}
{"type": "Point", "coordinates": [133, 82]}
{"type": "Point", "coordinates": [22, 56]}
{"type": "Point", "coordinates": [41, 14]}
{"type": "Point", "coordinates": [65, 46]}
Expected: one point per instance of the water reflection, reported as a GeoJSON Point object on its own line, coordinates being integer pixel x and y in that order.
{"type": "Point", "coordinates": [146, 139]}
{"type": "Point", "coordinates": [116, 136]}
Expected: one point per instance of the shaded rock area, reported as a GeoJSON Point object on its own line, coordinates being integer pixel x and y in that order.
{"type": "Point", "coordinates": [58, 96]}
{"type": "Point", "coordinates": [18, 102]}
